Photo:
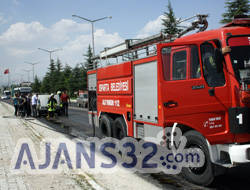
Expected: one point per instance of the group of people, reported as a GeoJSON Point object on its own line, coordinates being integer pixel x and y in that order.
{"type": "Point", "coordinates": [52, 102]}
{"type": "Point", "coordinates": [26, 106]}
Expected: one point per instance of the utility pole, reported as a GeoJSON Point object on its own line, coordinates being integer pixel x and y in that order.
{"type": "Point", "coordinates": [49, 51]}
{"type": "Point", "coordinates": [33, 64]}
{"type": "Point", "coordinates": [28, 71]}
{"type": "Point", "coordinates": [92, 23]}
{"type": "Point", "coordinates": [21, 77]}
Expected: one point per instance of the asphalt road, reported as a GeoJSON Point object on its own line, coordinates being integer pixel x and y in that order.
{"type": "Point", "coordinates": [76, 124]}
{"type": "Point", "coordinates": [78, 114]}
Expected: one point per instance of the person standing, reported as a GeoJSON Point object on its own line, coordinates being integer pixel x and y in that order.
{"type": "Point", "coordinates": [33, 104]}
{"type": "Point", "coordinates": [52, 106]}
{"type": "Point", "coordinates": [22, 101]}
{"type": "Point", "coordinates": [64, 99]}
{"type": "Point", "coordinates": [28, 105]}
{"type": "Point", "coordinates": [15, 104]}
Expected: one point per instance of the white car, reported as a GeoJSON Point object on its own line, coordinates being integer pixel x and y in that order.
{"type": "Point", "coordinates": [82, 100]}
{"type": "Point", "coordinates": [3, 97]}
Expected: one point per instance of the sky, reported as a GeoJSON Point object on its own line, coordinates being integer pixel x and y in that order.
{"type": "Point", "coordinates": [26, 25]}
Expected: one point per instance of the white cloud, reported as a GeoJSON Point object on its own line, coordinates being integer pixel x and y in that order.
{"type": "Point", "coordinates": [151, 28]}
{"type": "Point", "coordinates": [3, 20]}
{"type": "Point", "coordinates": [20, 43]}
{"type": "Point", "coordinates": [19, 52]}
{"type": "Point", "coordinates": [155, 26]}
{"type": "Point", "coordinates": [103, 39]}
{"type": "Point", "coordinates": [22, 32]}
{"type": "Point", "coordinates": [60, 30]}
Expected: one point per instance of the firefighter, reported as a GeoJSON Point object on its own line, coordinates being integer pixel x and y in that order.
{"type": "Point", "coordinates": [52, 106]}
{"type": "Point", "coordinates": [209, 66]}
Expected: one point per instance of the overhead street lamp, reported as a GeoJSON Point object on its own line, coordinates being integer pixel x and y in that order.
{"type": "Point", "coordinates": [92, 22]}
{"type": "Point", "coordinates": [33, 64]}
{"type": "Point", "coordinates": [50, 51]}
{"type": "Point", "coordinates": [28, 71]}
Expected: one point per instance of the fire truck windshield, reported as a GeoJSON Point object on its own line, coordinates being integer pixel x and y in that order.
{"type": "Point", "coordinates": [240, 57]}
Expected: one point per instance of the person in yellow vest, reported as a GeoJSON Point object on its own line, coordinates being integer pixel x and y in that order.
{"type": "Point", "coordinates": [209, 66]}
{"type": "Point", "coordinates": [52, 106]}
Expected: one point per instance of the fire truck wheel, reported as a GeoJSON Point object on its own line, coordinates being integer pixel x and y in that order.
{"type": "Point", "coordinates": [120, 128]}
{"type": "Point", "coordinates": [106, 124]}
{"type": "Point", "coordinates": [199, 175]}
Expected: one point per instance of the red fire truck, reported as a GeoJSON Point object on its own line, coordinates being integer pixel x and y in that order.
{"type": "Point", "coordinates": [140, 87]}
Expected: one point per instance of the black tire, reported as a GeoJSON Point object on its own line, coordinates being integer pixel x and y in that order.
{"type": "Point", "coordinates": [120, 129]}
{"type": "Point", "coordinates": [106, 124]}
{"type": "Point", "coordinates": [204, 175]}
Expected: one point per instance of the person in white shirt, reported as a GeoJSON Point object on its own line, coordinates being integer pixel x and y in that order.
{"type": "Point", "coordinates": [34, 103]}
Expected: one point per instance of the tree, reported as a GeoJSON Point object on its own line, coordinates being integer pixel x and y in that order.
{"type": "Point", "coordinates": [52, 76]}
{"type": "Point", "coordinates": [59, 84]}
{"type": "Point", "coordinates": [77, 80]}
{"type": "Point", "coordinates": [170, 22]}
{"type": "Point", "coordinates": [235, 7]}
{"type": "Point", "coordinates": [36, 86]}
{"type": "Point", "coordinates": [89, 64]}
{"type": "Point", "coordinates": [45, 86]}
{"type": "Point", "coordinates": [67, 72]}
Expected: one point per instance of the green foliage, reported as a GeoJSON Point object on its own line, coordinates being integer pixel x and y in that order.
{"type": "Point", "coordinates": [235, 7]}
{"type": "Point", "coordinates": [59, 78]}
{"type": "Point", "coordinates": [89, 64]}
{"type": "Point", "coordinates": [58, 83]}
{"type": "Point", "coordinates": [170, 22]}
{"type": "Point", "coordinates": [36, 86]}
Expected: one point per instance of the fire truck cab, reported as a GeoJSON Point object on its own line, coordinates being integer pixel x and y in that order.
{"type": "Point", "coordinates": [189, 80]}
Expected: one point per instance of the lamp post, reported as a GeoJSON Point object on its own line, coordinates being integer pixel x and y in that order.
{"type": "Point", "coordinates": [92, 23]}
{"type": "Point", "coordinates": [50, 51]}
{"type": "Point", "coordinates": [21, 77]}
{"type": "Point", "coordinates": [33, 64]}
{"type": "Point", "coordinates": [28, 71]}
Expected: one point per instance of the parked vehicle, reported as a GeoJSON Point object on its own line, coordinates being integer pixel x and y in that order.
{"type": "Point", "coordinates": [42, 106]}
{"type": "Point", "coordinates": [23, 90]}
{"type": "Point", "coordinates": [6, 95]}
{"type": "Point", "coordinates": [164, 80]}
{"type": "Point", "coordinates": [82, 100]}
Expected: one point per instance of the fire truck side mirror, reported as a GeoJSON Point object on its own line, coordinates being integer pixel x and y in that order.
{"type": "Point", "coordinates": [218, 60]}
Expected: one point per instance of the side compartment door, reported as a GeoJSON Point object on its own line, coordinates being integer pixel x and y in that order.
{"type": "Point", "coordinates": [146, 92]}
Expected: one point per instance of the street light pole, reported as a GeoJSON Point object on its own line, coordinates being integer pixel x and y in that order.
{"type": "Point", "coordinates": [33, 64]}
{"type": "Point", "coordinates": [50, 51]}
{"type": "Point", "coordinates": [92, 22]}
{"type": "Point", "coordinates": [21, 77]}
{"type": "Point", "coordinates": [28, 71]}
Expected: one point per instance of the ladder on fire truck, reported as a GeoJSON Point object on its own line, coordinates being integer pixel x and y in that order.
{"type": "Point", "coordinates": [133, 49]}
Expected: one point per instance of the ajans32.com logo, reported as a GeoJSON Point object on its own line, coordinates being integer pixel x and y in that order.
{"type": "Point", "coordinates": [107, 155]}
